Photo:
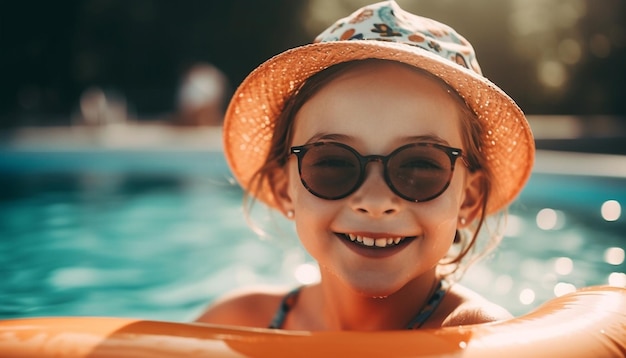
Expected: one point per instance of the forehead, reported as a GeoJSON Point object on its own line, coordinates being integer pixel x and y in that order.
{"type": "Point", "coordinates": [377, 106]}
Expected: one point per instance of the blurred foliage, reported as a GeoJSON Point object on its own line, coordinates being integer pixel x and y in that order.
{"type": "Point", "coordinates": [552, 56]}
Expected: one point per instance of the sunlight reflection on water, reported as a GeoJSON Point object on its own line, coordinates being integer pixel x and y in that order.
{"type": "Point", "coordinates": [157, 236]}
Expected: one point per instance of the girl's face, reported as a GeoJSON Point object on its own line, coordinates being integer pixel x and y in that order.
{"type": "Point", "coordinates": [375, 108]}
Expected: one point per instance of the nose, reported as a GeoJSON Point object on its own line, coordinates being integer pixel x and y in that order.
{"type": "Point", "coordinates": [374, 197]}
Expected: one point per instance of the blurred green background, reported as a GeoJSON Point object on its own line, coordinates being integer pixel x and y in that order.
{"type": "Point", "coordinates": [555, 57]}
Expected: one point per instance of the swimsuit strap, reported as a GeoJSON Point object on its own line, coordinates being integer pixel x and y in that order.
{"type": "Point", "coordinates": [430, 306]}
{"type": "Point", "coordinates": [286, 304]}
{"type": "Point", "coordinates": [290, 299]}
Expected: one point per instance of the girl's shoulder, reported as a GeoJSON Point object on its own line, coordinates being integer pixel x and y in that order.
{"type": "Point", "coordinates": [463, 306]}
{"type": "Point", "coordinates": [249, 307]}
{"type": "Point", "coordinates": [256, 307]}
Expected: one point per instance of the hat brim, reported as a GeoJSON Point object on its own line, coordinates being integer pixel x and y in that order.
{"type": "Point", "coordinates": [507, 143]}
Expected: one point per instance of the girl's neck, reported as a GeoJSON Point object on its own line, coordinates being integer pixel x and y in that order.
{"type": "Point", "coordinates": [331, 305]}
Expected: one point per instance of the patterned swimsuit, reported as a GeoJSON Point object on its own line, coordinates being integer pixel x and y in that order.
{"type": "Point", "coordinates": [290, 299]}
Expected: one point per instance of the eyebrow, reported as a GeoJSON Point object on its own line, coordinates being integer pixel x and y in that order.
{"type": "Point", "coordinates": [429, 138]}
{"type": "Point", "coordinates": [328, 136]}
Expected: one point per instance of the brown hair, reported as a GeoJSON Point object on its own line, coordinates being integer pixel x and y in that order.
{"type": "Point", "coordinates": [471, 132]}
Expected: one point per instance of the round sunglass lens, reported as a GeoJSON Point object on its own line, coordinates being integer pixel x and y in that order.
{"type": "Point", "coordinates": [419, 173]}
{"type": "Point", "coordinates": [330, 171]}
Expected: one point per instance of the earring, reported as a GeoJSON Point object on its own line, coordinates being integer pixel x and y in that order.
{"type": "Point", "coordinates": [290, 214]}
{"type": "Point", "coordinates": [462, 220]}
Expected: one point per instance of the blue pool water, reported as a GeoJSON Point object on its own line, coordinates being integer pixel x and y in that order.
{"type": "Point", "coordinates": [158, 235]}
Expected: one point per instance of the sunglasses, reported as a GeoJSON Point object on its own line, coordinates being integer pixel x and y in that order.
{"type": "Point", "coordinates": [416, 172]}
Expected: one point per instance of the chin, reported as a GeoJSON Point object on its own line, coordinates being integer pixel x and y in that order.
{"type": "Point", "coordinates": [375, 288]}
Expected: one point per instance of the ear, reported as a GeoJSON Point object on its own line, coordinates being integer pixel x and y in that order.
{"type": "Point", "coordinates": [474, 195]}
{"type": "Point", "coordinates": [279, 182]}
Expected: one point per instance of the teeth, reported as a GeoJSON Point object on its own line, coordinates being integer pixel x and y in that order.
{"type": "Point", "coordinates": [371, 242]}
{"type": "Point", "coordinates": [381, 242]}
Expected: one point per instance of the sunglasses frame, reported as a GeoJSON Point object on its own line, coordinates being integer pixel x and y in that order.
{"type": "Point", "coordinates": [453, 154]}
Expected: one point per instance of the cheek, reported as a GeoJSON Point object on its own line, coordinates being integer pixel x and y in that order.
{"type": "Point", "coordinates": [445, 232]}
{"type": "Point", "coordinates": [457, 190]}
{"type": "Point", "coordinates": [442, 216]}
{"type": "Point", "coordinates": [296, 190]}
{"type": "Point", "coordinates": [439, 237]}
{"type": "Point", "coordinates": [308, 208]}
{"type": "Point", "coordinates": [313, 216]}
{"type": "Point", "coordinates": [448, 206]}
{"type": "Point", "coordinates": [293, 180]}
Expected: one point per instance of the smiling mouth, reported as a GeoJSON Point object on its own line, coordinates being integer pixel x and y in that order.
{"type": "Point", "coordinates": [383, 242]}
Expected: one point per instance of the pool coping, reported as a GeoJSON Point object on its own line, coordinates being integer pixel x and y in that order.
{"type": "Point", "coordinates": [143, 137]}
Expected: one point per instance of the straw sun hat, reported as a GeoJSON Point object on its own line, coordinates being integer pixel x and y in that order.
{"type": "Point", "coordinates": [424, 43]}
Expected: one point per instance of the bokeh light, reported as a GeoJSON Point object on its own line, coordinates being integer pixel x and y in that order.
{"type": "Point", "coordinates": [569, 51]}
{"type": "Point", "coordinates": [563, 288]}
{"type": "Point", "coordinates": [550, 219]}
{"type": "Point", "coordinates": [307, 273]}
{"type": "Point", "coordinates": [614, 256]}
{"type": "Point", "coordinates": [617, 279]}
{"type": "Point", "coordinates": [611, 210]}
{"type": "Point", "coordinates": [527, 296]}
{"type": "Point", "coordinates": [552, 74]}
{"type": "Point", "coordinates": [563, 265]}
{"type": "Point", "coordinates": [503, 284]}
{"type": "Point", "coordinates": [600, 46]}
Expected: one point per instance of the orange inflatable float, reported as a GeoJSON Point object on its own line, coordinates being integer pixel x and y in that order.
{"type": "Point", "coordinates": [588, 323]}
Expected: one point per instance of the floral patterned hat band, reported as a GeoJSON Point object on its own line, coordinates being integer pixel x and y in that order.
{"type": "Point", "coordinates": [386, 21]}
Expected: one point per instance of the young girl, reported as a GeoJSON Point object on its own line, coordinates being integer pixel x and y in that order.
{"type": "Point", "coordinates": [386, 146]}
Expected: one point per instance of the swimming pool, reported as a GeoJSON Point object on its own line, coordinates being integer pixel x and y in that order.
{"type": "Point", "coordinates": [157, 234]}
